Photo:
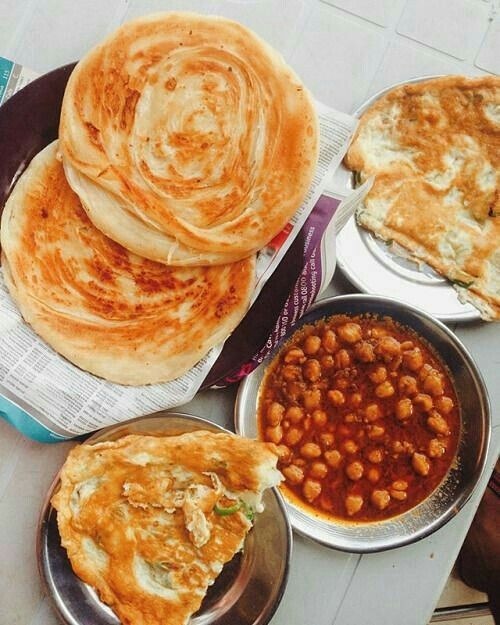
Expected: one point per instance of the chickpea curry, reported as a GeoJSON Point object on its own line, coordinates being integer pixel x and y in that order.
{"type": "Point", "coordinates": [364, 415]}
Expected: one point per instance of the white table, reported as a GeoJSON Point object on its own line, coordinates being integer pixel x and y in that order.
{"type": "Point", "coordinates": [344, 50]}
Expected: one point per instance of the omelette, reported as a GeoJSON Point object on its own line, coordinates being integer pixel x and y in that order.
{"type": "Point", "coordinates": [188, 139]}
{"type": "Point", "coordinates": [150, 521]}
{"type": "Point", "coordinates": [110, 312]}
{"type": "Point", "coordinates": [433, 148]}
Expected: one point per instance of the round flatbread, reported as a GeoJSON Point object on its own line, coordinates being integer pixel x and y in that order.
{"type": "Point", "coordinates": [122, 317]}
{"type": "Point", "coordinates": [188, 139]}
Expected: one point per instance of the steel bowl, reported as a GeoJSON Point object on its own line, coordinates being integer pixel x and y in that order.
{"type": "Point", "coordinates": [457, 486]}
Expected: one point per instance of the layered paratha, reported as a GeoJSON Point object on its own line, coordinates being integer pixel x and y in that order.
{"type": "Point", "coordinates": [115, 314]}
{"type": "Point", "coordinates": [150, 521]}
{"type": "Point", "coordinates": [434, 150]}
{"type": "Point", "coordinates": [188, 139]}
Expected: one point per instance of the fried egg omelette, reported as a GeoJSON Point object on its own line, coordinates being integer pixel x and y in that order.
{"type": "Point", "coordinates": [433, 148]}
{"type": "Point", "coordinates": [150, 521]}
{"type": "Point", "coordinates": [120, 316]}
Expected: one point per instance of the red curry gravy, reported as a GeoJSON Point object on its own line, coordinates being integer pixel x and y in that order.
{"type": "Point", "coordinates": [365, 417]}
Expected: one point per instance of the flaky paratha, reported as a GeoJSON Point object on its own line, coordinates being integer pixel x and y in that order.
{"type": "Point", "coordinates": [188, 139]}
{"type": "Point", "coordinates": [115, 314]}
{"type": "Point", "coordinates": [150, 521]}
{"type": "Point", "coordinates": [434, 149]}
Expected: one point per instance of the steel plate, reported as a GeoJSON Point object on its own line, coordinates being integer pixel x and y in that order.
{"type": "Point", "coordinates": [248, 590]}
{"type": "Point", "coordinates": [374, 267]}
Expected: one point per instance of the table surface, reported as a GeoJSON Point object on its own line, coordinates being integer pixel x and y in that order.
{"type": "Point", "coordinates": [345, 50]}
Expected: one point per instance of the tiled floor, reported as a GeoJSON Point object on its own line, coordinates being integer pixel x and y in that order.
{"type": "Point", "coordinates": [457, 593]}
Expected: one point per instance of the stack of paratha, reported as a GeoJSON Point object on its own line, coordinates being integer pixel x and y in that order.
{"type": "Point", "coordinates": [186, 144]}
{"type": "Point", "coordinates": [188, 139]}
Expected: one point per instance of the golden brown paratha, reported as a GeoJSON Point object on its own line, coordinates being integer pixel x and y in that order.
{"type": "Point", "coordinates": [188, 139]}
{"type": "Point", "coordinates": [434, 149]}
{"type": "Point", "coordinates": [115, 314]}
{"type": "Point", "coordinates": [150, 521]}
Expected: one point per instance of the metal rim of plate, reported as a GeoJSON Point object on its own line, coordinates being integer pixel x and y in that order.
{"type": "Point", "coordinates": [249, 588]}
{"type": "Point", "coordinates": [457, 486]}
{"type": "Point", "coordinates": [373, 268]}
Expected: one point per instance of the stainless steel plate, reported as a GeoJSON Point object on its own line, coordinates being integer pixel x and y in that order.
{"type": "Point", "coordinates": [460, 481]}
{"type": "Point", "coordinates": [248, 590]}
{"type": "Point", "coordinates": [374, 267]}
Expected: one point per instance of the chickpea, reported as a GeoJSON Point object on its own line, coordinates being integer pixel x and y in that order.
{"type": "Point", "coordinates": [318, 470]}
{"type": "Point", "coordinates": [372, 413]}
{"type": "Point", "coordinates": [388, 347]}
{"type": "Point", "coordinates": [355, 400]}
{"type": "Point", "coordinates": [384, 390]}
{"type": "Point", "coordinates": [376, 456]}
{"type": "Point", "coordinates": [400, 485]}
{"type": "Point", "coordinates": [404, 409]}
{"type": "Point", "coordinates": [275, 412]}
{"type": "Point", "coordinates": [394, 365]}
{"type": "Point", "coordinates": [329, 341]}
{"type": "Point", "coordinates": [406, 345]}
{"type": "Point", "coordinates": [284, 453]}
{"type": "Point", "coordinates": [408, 448]}
{"type": "Point", "coordinates": [373, 475]}
{"type": "Point", "coordinates": [437, 424]}
{"type": "Point", "coordinates": [399, 495]}
{"type": "Point", "coordinates": [364, 351]}
{"type": "Point", "coordinates": [350, 446]}
{"type": "Point", "coordinates": [407, 385]}
{"type": "Point", "coordinates": [336, 398]}
{"type": "Point", "coordinates": [420, 464]}
{"type": "Point", "coordinates": [312, 344]}
{"type": "Point", "coordinates": [293, 436]}
{"type": "Point", "coordinates": [378, 375]}
{"type": "Point", "coordinates": [312, 399]}
{"type": "Point", "coordinates": [436, 448]}
{"type": "Point", "coordinates": [424, 401]}
{"type": "Point", "coordinates": [378, 333]}
{"type": "Point", "coordinates": [320, 418]}
{"type": "Point", "coordinates": [444, 404]}
{"type": "Point", "coordinates": [274, 434]}
{"type": "Point", "coordinates": [299, 462]}
{"type": "Point", "coordinates": [350, 417]}
{"type": "Point", "coordinates": [376, 431]}
{"type": "Point", "coordinates": [380, 499]}
{"type": "Point", "coordinates": [293, 474]}
{"type": "Point", "coordinates": [294, 356]}
{"type": "Point", "coordinates": [327, 361]}
{"type": "Point", "coordinates": [413, 359]}
{"type": "Point", "coordinates": [311, 489]}
{"type": "Point", "coordinates": [397, 447]}
{"type": "Point", "coordinates": [327, 439]}
{"type": "Point", "coordinates": [342, 359]}
{"type": "Point", "coordinates": [294, 414]}
{"type": "Point", "coordinates": [424, 371]}
{"type": "Point", "coordinates": [333, 458]}
{"type": "Point", "coordinates": [353, 504]}
{"type": "Point", "coordinates": [310, 450]}
{"type": "Point", "coordinates": [433, 384]}
{"type": "Point", "coordinates": [354, 470]}
{"type": "Point", "coordinates": [350, 332]}
{"type": "Point", "coordinates": [311, 370]}
{"type": "Point", "coordinates": [291, 373]}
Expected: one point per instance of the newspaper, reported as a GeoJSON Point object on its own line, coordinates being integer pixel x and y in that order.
{"type": "Point", "coordinates": [61, 400]}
